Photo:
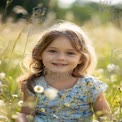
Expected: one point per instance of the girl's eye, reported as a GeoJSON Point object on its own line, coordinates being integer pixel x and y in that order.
{"type": "Point", "coordinates": [52, 51]}
{"type": "Point", "coordinates": [70, 53]}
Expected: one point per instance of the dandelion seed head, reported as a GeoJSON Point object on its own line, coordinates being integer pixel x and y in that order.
{"type": "Point", "coordinates": [51, 93]}
{"type": "Point", "coordinates": [112, 68]}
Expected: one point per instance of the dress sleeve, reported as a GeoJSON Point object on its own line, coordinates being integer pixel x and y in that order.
{"type": "Point", "coordinates": [95, 88]}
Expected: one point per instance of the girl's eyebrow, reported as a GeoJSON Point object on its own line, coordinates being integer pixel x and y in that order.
{"type": "Point", "coordinates": [66, 49]}
{"type": "Point", "coordinates": [51, 47]}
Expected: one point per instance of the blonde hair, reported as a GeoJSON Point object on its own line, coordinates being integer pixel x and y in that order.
{"type": "Point", "coordinates": [79, 41]}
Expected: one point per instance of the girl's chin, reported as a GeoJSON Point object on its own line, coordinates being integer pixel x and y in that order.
{"type": "Point", "coordinates": [58, 72]}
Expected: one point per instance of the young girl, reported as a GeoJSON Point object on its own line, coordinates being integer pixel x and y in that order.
{"type": "Point", "coordinates": [63, 60]}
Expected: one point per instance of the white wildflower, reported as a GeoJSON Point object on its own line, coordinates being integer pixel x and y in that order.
{"type": "Point", "coordinates": [112, 68]}
{"type": "Point", "coordinates": [20, 103]}
{"type": "Point", "coordinates": [51, 93]}
{"type": "Point", "coordinates": [2, 103]}
{"type": "Point", "coordinates": [14, 95]}
{"type": "Point", "coordinates": [38, 89]}
{"type": "Point", "coordinates": [2, 75]}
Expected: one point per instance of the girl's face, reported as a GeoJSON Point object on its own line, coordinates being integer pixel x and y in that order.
{"type": "Point", "coordinates": [60, 56]}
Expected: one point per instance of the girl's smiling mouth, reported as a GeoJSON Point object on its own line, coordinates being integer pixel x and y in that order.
{"type": "Point", "coordinates": [59, 64]}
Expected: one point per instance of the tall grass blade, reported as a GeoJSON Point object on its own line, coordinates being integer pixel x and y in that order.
{"type": "Point", "coordinates": [8, 2]}
{"type": "Point", "coordinates": [26, 43]}
{"type": "Point", "coordinates": [18, 37]}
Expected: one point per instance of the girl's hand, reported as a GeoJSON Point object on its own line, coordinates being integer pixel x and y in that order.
{"type": "Point", "coordinates": [22, 118]}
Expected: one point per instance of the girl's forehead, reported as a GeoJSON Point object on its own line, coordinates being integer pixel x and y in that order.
{"type": "Point", "coordinates": [63, 42]}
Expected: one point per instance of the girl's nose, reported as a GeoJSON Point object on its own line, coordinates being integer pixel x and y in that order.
{"type": "Point", "coordinates": [61, 56]}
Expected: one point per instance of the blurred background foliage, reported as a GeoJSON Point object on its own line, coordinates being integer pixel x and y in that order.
{"type": "Point", "coordinates": [78, 11]}
{"type": "Point", "coordinates": [22, 22]}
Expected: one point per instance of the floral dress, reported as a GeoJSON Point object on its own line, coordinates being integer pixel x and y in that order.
{"type": "Point", "coordinates": [70, 105]}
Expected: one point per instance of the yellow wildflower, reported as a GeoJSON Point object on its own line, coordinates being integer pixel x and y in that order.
{"type": "Point", "coordinates": [42, 110]}
{"type": "Point", "coordinates": [67, 104]}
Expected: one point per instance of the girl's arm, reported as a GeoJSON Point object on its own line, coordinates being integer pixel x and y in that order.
{"type": "Point", "coordinates": [25, 111]}
{"type": "Point", "coordinates": [101, 108]}
{"type": "Point", "coordinates": [27, 108]}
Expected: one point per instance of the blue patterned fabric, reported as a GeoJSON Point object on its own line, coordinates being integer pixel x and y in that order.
{"type": "Point", "coordinates": [70, 105]}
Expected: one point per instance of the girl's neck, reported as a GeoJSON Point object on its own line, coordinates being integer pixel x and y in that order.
{"type": "Point", "coordinates": [61, 81]}
{"type": "Point", "coordinates": [52, 77]}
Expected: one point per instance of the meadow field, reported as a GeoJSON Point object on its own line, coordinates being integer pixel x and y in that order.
{"type": "Point", "coordinates": [16, 42]}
